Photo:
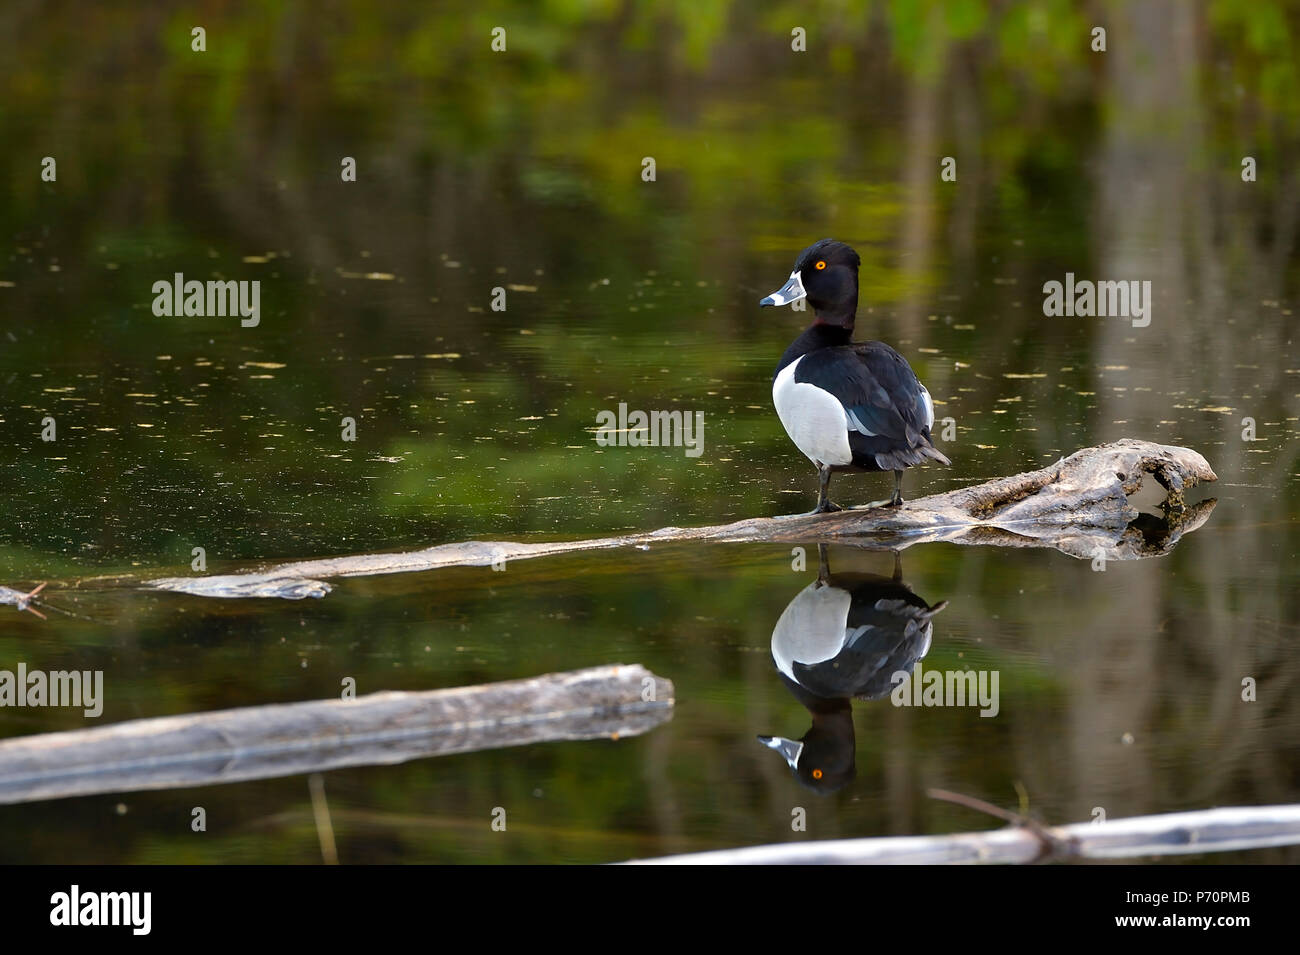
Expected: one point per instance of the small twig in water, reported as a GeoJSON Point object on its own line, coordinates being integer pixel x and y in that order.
{"type": "Point", "coordinates": [1053, 846]}
{"type": "Point", "coordinates": [22, 602]}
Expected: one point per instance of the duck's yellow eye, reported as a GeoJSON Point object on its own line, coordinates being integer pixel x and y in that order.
{"type": "Point", "coordinates": [817, 773]}
{"type": "Point", "coordinates": [820, 265]}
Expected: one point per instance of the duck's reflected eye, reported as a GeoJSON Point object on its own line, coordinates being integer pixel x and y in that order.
{"type": "Point", "coordinates": [820, 265]}
{"type": "Point", "coordinates": [817, 773]}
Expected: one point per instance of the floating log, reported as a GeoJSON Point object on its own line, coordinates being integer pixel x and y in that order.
{"type": "Point", "coordinates": [1079, 505]}
{"type": "Point", "coordinates": [258, 742]}
{"type": "Point", "coordinates": [1177, 833]}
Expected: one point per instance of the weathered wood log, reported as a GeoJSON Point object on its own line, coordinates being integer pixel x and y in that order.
{"type": "Point", "coordinates": [1079, 505]}
{"type": "Point", "coordinates": [258, 742]}
{"type": "Point", "coordinates": [1178, 833]}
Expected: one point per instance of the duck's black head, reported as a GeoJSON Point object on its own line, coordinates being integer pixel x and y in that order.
{"type": "Point", "coordinates": [824, 760]}
{"type": "Point", "coordinates": [826, 273]}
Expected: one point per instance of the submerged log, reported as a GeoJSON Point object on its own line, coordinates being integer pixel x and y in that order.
{"type": "Point", "coordinates": [1079, 505]}
{"type": "Point", "coordinates": [1178, 833]}
{"type": "Point", "coordinates": [285, 739]}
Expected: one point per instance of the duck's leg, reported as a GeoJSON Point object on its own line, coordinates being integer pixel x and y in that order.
{"type": "Point", "coordinates": [897, 499]}
{"type": "Point", "coordinates": [824, 504]}
{"type": "Point", "coordinates": [824, 563]}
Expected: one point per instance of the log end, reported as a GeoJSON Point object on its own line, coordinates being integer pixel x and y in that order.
{"type": "Point", "coordinates": [1171, 465]}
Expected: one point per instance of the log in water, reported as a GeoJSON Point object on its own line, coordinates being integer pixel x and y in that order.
{"type": "Point", "coordinates": [1079, 505]}
{"type": "Point", "coordinates": [257, 742]}
{"type": "Point", "coordinates": [1178, 833]}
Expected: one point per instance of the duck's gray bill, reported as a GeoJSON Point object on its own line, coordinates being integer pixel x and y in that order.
{"type": "Point", "coordinates": [790, 749]}
{"type": "Point", "coordinates": [791, 291]}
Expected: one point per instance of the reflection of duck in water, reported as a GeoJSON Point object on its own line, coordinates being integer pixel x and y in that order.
{"type": "Point", "coordinates": [843, 637]}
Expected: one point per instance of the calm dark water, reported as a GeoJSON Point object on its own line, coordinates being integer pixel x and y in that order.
{"type": "Point", "coordinates": [1119, 689]}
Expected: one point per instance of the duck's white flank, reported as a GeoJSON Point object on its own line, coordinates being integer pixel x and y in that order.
{"type": "Point", "coordinates": [814, 419]}
{"type": "Point", "coordinates": [813, 627]}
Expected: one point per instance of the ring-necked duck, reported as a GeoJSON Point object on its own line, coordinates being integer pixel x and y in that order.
{"type": "Point", "coordinates": [844, 637]}
{"type": "Point", "coordinates": [848, 406]}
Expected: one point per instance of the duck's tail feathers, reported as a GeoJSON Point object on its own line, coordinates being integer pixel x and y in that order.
{"type": "Point", "coordinates": [935, 454]}
{"type": "Point", "coordinates": [909, 457]}
{"type": "Point", "coordinates": [935, 609]}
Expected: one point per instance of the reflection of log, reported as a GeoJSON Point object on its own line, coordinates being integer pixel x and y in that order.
{"type": "Point", "coordinates": [1177, 833]}
{"type": "Point", "coordinates": [257, 742]}
{"type": "Point", "coordinates": [1077, 505]}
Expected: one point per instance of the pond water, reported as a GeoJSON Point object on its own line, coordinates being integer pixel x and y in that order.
{"type": "Point", "coordinates": [1121, 689]}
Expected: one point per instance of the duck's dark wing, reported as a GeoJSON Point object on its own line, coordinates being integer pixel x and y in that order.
{"type": "Point", "coordinates": [872, 654]}
{"type": "Point", "coordinates": [888, 410]}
